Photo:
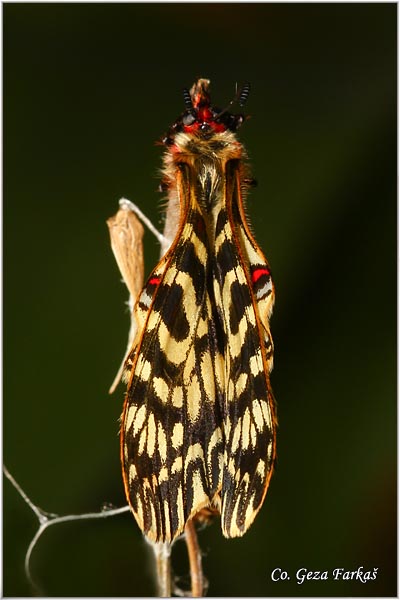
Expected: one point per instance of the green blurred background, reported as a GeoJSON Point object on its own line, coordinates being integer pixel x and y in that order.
{"type": "Point", "coordinates": [88, 90]}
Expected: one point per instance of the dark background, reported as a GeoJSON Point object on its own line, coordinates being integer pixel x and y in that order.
{"type": "Point", "coordinates": [88, 89]}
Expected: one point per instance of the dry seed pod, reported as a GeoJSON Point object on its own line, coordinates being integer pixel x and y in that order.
{"type": "Point", "coordinates": [126, 233]}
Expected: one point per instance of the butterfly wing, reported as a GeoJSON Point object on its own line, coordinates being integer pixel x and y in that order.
{"type": "Point", "coordinates": [171, 434]}
{"type": "Point", "coordinates": [244, 293]}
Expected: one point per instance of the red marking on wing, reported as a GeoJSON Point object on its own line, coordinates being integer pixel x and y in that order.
{"type": "Point", "coordinates": [154, 281]}
{"type": "Point", "coordinates": [257, 273]}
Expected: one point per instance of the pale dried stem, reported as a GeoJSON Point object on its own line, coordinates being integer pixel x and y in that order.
{"type": "Point", "coordinates": [162, 554]}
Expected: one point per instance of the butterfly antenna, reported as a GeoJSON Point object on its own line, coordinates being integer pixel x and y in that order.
{"type": "Point", "coordinates": [244, 94]}
{"type": "Point", "coordinates": [187, 98]}
{"type": "Point", "coordinates": [241, 96]}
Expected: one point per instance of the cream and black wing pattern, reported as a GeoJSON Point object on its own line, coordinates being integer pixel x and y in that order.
{"type": "Point", "coordinates": [198, 426]}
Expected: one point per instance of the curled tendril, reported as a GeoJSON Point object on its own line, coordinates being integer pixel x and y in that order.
{"type": "Point", "coordinates": [46, 519]}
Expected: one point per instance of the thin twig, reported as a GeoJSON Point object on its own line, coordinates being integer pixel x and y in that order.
{"type": "Point", "coordinates": [162, 553]}
{"type": "Point", "coordinates": [194, 553]}
{"type": "Point", "coordinates": [128, 205]}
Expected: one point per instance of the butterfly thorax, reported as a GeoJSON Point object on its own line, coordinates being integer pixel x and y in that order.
{"type": "Point", "coordinates": [203, 161]}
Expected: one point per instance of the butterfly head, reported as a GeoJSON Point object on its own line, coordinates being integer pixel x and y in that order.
{"type": "Point", "coordinates": [203, 119]}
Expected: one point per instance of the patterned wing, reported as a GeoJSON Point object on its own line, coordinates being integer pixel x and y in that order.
{"type": "Point", "coordinates": [244, 292]}
{"type": "Point", "coordinates": [171, 435]}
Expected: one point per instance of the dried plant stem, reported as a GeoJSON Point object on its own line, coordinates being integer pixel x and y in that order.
{"type": "Point", "coordinates": [162, 553]}
{"type": "Point", "coordinates": [194, 553]}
